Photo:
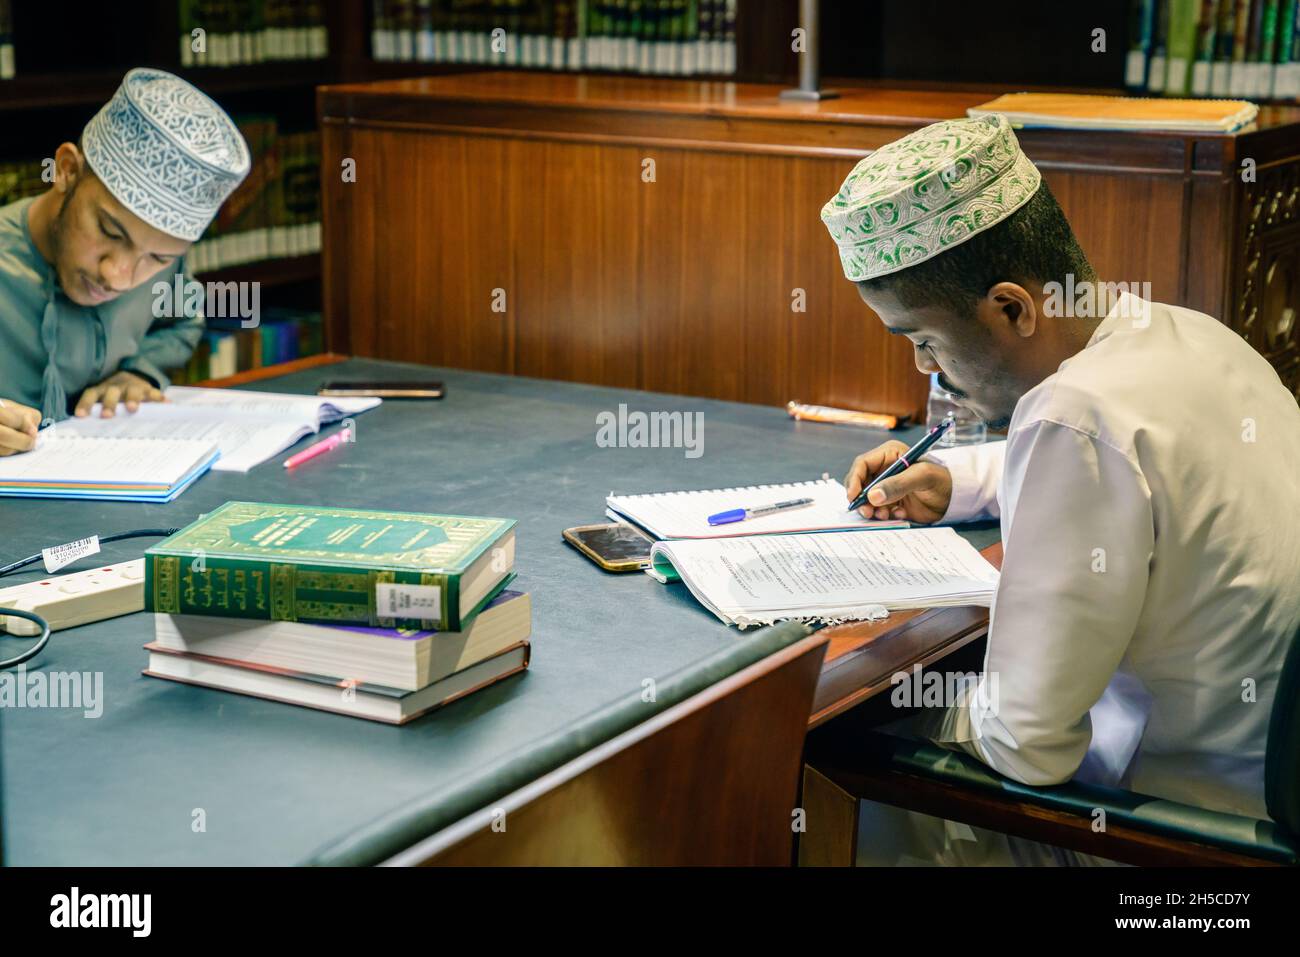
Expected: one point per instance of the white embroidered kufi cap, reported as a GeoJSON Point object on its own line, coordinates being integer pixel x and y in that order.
{"type": "Point", "coordinates": [166, 152]}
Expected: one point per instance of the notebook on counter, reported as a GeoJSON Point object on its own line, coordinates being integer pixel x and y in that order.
{"type": "Point", "coordinates": [686, 514]}
{"type": "Point", "coordinates": [248, 427]}
{"type": "Point", "coordinates": [67, 465]}
{"type": "Point", "coordinates": [1079, 111]}
{"type": "Point", "coordinates": [829, 577]}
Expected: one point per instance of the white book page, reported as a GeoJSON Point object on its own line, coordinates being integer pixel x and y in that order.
{"type": "Point", "coordinates": [307, 410]}
{"type": "Point", "coordinates": [244, 440]}
{"type": "Point", "coordinates": [75, 458]}
{"type": "Point", "coordinates": [686, 514]}
{"type": "Point", "coordinates": [833, 575]}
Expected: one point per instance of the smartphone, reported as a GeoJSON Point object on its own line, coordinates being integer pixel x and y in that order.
{"type": "Point", "coordinates": [614, 546]}
{"type": "Point", "coordinates": [396, 389]}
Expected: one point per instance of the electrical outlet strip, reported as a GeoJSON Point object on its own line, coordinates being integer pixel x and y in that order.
{"type": "Point", "coordinates": [76, 599]}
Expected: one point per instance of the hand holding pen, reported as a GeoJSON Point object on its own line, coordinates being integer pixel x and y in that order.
{"type": "Point", "coordinates": [890, 482]}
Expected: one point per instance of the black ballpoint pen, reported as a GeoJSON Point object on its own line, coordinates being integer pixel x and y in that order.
{"type": "Point", "coordinates": [903, 461]}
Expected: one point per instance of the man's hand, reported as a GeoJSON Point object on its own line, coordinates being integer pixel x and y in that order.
{"type": "Point", "coordinates": [125, 387]}
{"type": "Point", "coordinates": [920, 493]}
{"type": "Point", "coordinates": [18, 426]}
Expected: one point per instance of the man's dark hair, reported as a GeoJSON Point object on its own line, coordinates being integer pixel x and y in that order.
{"type": "Point", "coordinates": [1033, 243]}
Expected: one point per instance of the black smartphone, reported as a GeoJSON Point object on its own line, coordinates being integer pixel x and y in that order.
{"type": "Point", "coordinates": [614, 546]}
{"type": "Point", "coordinates": [399, 389]}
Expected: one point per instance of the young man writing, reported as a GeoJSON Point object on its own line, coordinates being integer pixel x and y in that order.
{"type": "Point", "coordinates": [1146, 490]}
{"type": "Point", "coordinates": [78, 263]}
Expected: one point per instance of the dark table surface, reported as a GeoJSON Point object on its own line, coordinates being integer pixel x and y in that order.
{"type": "Point", "coordinates": [275, 782]}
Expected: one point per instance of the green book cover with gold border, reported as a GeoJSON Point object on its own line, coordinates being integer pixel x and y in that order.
{"type": "Point", "coordinates": [334, 565]}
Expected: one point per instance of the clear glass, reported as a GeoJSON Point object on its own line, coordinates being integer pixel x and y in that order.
{"type": "Point", "coordinates": [968, 428]}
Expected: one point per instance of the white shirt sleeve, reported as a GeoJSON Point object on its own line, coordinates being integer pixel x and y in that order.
{"type": "Point", "coordinates": [976, 471]}
{"type": "Point", "coordinates": [1078, 538]}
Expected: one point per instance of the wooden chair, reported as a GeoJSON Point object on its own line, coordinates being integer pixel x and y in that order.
{"type": "Point", "coordinates": [711, 779]}
{"type": "Point", "coordinates": [843, 769]}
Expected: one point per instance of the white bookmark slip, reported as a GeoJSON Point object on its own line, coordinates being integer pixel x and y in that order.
{"type": "Point", "coordinates": [831, 576]}
{"type": "Point", "coordinates": [684, 515]}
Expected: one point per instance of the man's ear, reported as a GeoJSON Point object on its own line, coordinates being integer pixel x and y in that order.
{"type": "Point", "coordinates": [69, 167]}
{"type": "Point", "coordinates": [1012, 307]}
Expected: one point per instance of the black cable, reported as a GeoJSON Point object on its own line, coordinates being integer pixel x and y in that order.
{"type": "Point", "coordinates": [44, 639]}
{"type": "Point", "coordinates": [35, 649]}
{"type": "Point", "coordinates": [136, 533]}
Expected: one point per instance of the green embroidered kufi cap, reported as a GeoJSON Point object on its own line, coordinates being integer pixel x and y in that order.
{"type": "Point", "coordinates": [931, 190]}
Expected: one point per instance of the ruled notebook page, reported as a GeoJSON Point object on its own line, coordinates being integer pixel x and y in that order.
{"type": "Point", "coordinates": [73, 458]}
{"type": "Point", "coordinates": [686, 514]}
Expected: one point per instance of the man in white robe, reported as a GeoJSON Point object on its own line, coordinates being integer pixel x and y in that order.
{"type": "Point", "coordinates": [1148, 493]}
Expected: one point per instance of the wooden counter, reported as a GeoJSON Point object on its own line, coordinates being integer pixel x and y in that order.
{"type": "Point", "coordinates": [510, 222]}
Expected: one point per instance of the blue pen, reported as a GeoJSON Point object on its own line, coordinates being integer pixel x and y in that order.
{"type": "Point", "coordinates": [740, 514]}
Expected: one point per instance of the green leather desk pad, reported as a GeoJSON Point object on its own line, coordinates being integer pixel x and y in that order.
{"type": "Point", "coordinates": [278, 783]}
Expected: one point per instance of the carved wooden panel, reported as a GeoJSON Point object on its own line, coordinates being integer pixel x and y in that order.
{"type": "Point", "coordinates": [1268, 284]}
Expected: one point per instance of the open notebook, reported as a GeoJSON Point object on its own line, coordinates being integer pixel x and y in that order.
{"type": "Point", "coordinates": [132, 470]}
{"type": "Point", "coordinates": [829, 577]}
{"type": "Point", "coordinates": [248, 427]}
{"type": "Point", "coordinates": [686, 514]}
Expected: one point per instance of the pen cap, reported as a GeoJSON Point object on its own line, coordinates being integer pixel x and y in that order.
{"type": "Point", "coordinates": [724, 518]}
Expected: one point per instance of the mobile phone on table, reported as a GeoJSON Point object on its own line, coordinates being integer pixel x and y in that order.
{"type": "Point", "coordinates": [614, 546]}
{"type": "Point", "coordinates": [384, 389]}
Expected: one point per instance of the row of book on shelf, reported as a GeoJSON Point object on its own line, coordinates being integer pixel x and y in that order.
{"type": "Point", "coordinates": [275, 212]}
{"type": "Point", "coordinates": [402, 629]}
{"type": "Point", "coordinates": [1236, 48]}
{"type": "Point", "coordinates": [236, 32]}
{"type": "Point", "coordinates": [281, 334]}
{"type": "Point", "coordinates": [676, 37]}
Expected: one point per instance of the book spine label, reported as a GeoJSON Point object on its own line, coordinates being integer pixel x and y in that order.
{"type": "Point", "coordinates": [271, 591]}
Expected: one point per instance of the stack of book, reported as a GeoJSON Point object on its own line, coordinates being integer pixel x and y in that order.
{"type": "Point", "coordinates": [673, 37]}
{"type": "Point", "coordinates": [275, 212]}
{"type": "Point", "coordinates": [376, 614]}
{"type": "Point", "coordinates": [1237, 48]}
{"type": "Point", "coordinates": [235, 32]}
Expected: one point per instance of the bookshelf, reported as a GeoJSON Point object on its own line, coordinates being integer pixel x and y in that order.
{"type": "Point", "coordinates": [62, 76]}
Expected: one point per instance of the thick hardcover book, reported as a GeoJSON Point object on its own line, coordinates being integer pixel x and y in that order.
{"type": "Point", "coordinates": [405, 658]}
{"type": "Point", "coordinates": [333, 565]}
{"type": "Point", "coordinates": [327, 693]}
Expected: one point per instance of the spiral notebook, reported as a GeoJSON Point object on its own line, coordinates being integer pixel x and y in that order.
{"type": "Point", "coordinates": [686, 514]}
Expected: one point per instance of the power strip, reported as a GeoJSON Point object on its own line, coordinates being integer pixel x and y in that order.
{"type": "Point", "coordinates": [76, 599]}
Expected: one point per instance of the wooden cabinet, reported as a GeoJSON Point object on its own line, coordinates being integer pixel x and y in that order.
{"type": "Point", "coordinates": [665, 234]}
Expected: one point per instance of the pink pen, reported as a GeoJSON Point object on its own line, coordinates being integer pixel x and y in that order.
{"type": "Point", "coordinates": [338, 438]}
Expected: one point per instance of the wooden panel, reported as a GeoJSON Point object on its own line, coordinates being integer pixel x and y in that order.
{"type": "Point", "coordinates": [1131, 227]}
{"type": "Point", "coordinates": [637, 799]}
{"type": "Point", "coordinates": [680, 285]}
{"type": "Point", "coordinates": [532, 184]}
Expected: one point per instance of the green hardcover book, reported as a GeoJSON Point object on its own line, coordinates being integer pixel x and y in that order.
{"type": "Point", "coordinates": [1181, 48]}
{"type": "Point", "coordinates": [354, 566]}
{"type": "Point", "coordinates": [1266, 55]}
